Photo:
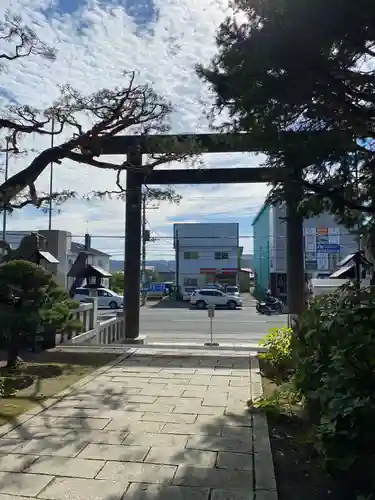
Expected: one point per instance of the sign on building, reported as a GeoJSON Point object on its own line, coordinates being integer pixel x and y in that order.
{"type": "Point", "coordinates": [328, 247]}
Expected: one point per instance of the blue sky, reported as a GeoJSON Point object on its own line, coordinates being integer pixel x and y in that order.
{"type": "Point", "coordinates": [96, 41]}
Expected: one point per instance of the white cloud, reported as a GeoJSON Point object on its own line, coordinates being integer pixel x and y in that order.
{"type": "Point", "coordinates": [95, 45]}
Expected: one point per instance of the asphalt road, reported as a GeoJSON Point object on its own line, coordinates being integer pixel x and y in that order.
{"type": "Point", "coordinates": [190, 325]}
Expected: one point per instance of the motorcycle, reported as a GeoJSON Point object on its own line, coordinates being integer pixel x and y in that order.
{"type": "Point", "coordinates": [272, 306]}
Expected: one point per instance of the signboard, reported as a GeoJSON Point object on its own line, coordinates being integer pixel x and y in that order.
{"type": "Point", "coordinates": [155, 287]}
{"type": "Point", "coordinates": [328, 247]}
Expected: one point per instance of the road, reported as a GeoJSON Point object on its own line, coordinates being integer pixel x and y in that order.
{"type": "Point", "coordinates": [185, 325]}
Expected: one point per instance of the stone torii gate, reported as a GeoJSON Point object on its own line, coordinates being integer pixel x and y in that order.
{"type": "Point", "coordinates": [287, 142]}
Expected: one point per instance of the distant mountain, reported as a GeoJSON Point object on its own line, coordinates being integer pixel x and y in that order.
{"type": "Point", "coordinates": [159, 265]}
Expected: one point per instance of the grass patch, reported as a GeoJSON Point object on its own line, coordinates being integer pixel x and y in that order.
{"type": "Point", "coordinates": [299, 474]}
{"type": "Point", "coordinates": [43, 375]}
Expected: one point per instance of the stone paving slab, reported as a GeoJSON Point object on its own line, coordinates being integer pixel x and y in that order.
{"type": "Point", "coordinates": [173, 418]}
{"type": "Point", "coordinates": [16, 484]}
{"type": "Point", "coordinates": [233, 495]}
{"type": "Point", "coordinates": [180, 456]}
{"type": "Point", "coordinates": [68, 448]}
{"type": "Point", "coordinates": [191, 429]}
{"type": "Point", "coordinates": [235, 461]}
{"type": "Point", "coordinates": [118, 453]}
{"type": "Point", "coordinates": [155, 424]}
{"type": "Point", "coordinates": [68, 467]}
{"type": "Point", "coordinates": [11, 497]}
{"type": "Point", "coordinates": [84, 489]}
{"type": "Point", "coordinates": [148, 491]}
{"type": "Point", "coordinates": [155, 407]}
{"type": "Point", "coordinates": [15, 463]}
{"type": "Point", "coordinates": [220, 443]}
{"type": "Point", "coordinates": [213, 478]}
{"type": "Point", "coordinates": [81, 422]}
{"type": "Point", "coordinates": [134, 426]}
{"type": "Point", "coordinates": [148, 439]}
{"type": "Point", "coordinates": [137, 472]}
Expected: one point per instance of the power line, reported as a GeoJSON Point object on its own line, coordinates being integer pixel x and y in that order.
{"type": "Point", "coordinates": [168, 238]}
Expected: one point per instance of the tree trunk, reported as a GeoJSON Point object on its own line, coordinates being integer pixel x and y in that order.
{"type": "Point", "coordinates": [13, 349]}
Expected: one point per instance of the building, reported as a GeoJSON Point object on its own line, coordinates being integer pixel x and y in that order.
{"type": "Point", "coordinates": [326, 243]}
{"type": "Point", "coordinates": [61, 246]}
{"type": "Point", "coordinates": [166, 276]}
{"type": "Point", "coordinates": [206, 253]}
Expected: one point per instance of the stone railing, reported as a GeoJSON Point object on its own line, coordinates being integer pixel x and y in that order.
{"type": "Point", "coordinates": [104, 330]}
{"type": "Point", "coordinates": [111, 331]}
{"type": "Point", "coordinates": [87, 314]}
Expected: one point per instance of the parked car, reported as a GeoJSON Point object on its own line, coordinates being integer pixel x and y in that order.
{"type": "Point", "coordinates": [187, 293]}
{"type": "Point", "coordinates": [210, 297]}
{"type": "Point", "coordinates": [106, 298]}
{"type": "Point", "coordinates": [215, 286]}
{"type": "Point", "coordinates": [232, 290]}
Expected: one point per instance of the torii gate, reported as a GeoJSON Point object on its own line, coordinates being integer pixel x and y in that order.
{"type": "Point", "coordinates": [290, 143]}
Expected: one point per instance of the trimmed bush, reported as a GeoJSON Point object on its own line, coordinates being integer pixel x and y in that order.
{"type": "Point", "coordinates": [278, 354]}
{"type": "Point", "coordinates": [334, 360]}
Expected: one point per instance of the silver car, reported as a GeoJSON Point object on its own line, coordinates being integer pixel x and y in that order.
{"type": "Point", "coordinates": [232, 290]}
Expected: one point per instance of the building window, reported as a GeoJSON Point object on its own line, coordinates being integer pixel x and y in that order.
{"type": "Point", "coordinates": [333, 260]}
{"type": "Point", "coordinates": [190, 282]}
{"type": "Point", "coordinates": [191, 255]}
{"type": "Point", "coordinates": [221, 256]}
{"type": "Point", "coordinates": [100, 263]}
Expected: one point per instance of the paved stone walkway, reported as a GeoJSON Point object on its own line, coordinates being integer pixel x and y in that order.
{"type": "Point", "coordinates": [155, 425]}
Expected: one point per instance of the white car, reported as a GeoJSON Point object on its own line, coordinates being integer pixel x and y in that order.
{"type": "Point", "coordinates": [106, 298]}
{"type": "Point", "coordinates": [210, 297]}
{"type": "Point", "coordinates": [232, 290]}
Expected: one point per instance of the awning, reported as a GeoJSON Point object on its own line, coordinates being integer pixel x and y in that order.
{"type": "Point", "coordinates": [48, 257]}
{"type": "Point", "coordinates": [99, 271]}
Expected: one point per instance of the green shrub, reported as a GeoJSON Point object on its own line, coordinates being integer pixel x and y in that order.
{"type": "Point", "coordinates": [278, 354]}
{"type": "Point", "coordinates": [31, 300]}
{"type": "Point", "coordinates": [334, 356]}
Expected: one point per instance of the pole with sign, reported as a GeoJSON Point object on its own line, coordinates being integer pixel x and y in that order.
{"type": "Point", "coordinates": [211, 315]}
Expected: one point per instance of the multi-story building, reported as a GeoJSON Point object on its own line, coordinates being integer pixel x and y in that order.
{"type": "Point", "coordinates": [326, 243]}
{"type": "Point", "coordinates": [206, 253]}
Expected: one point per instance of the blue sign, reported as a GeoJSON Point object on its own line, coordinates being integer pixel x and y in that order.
{"type": "Point", "coordinates": [328, 247]}
{"type": "Point", "coordinates": [155, 287]}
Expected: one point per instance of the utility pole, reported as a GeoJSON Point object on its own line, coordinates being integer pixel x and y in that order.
{"type": "Point", "coordinates": [51, 179]}
{"type": "Point", "coordinates": [5, 179]}
{"type": "Point", "coordinates": [145, 239]}
{"type": "Point", "coordinates": [177, 246]}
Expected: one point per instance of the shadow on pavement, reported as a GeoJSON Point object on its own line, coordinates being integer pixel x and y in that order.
{"type": "Point", "coordinates": [130, 455]}
{"type": "Point", "coordinates": [168, 304]}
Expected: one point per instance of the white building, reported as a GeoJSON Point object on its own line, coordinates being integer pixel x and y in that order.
{"type": "Point", "coordinates": [206, 253]}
